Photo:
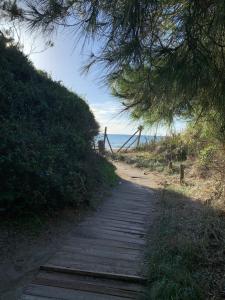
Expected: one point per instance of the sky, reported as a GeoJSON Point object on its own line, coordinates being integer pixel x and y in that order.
{"type": "Point", "coordinates": [64, 62]}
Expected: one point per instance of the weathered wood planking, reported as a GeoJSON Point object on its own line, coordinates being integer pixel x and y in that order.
{"type": "Point", "coordinates": [53, 292]}
{"type": "Point", "coordinates": [103, 258]}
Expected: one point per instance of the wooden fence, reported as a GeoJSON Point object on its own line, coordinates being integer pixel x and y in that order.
{"type": "Point", "coordinates": [136, 136]}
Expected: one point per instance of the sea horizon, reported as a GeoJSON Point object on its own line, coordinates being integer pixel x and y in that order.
{"type": "Point", "coordinates": [117, 140]}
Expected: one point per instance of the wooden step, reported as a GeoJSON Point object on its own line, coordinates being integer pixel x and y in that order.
{"type": "Point", "coordinates": [104, 275]}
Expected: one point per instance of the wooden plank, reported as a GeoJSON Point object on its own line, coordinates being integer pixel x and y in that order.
{"type": "Point", "coordinates": [123, 198]}
{"type": "Point", "coordinates": [122, 217]}
{"type": "Point", "coordinates": [137, 196]}
{"type": "Point", "coordinates": [115, 235]}
{"type": "Point", "coordinates": [105, 275]}
{"type": "Point", "coordinates": [111, 230]}
{"type": "Point", "coordinates": [107, 282]}
{"type": "Point", "coordinates": [82, 284]}
{"type": "Point", "coordinates": [114, 245]}
{"type": "Point", "coordinates": [93, 227]}
{"type": "Point", "coordinates": [108, 248]}
{"type": "Point", "coordinates": [119, 224]}
{"type": "Point", "coordinates": [118, 218]}
{"type": "Point", "coordinates": [106, 236]}
{"type": "Point", "coordinates": [103, 241]}
{"type": "Point", "coordinates": [66, 294]}
{"type": "Point", "coordinates": [88, 287]}
{"type": "Point", "coordinates": [104, 252]}
{"type": "Point", "coordinates": [30, 297]}
{"type": "Point", "coordinates": [97, 267]}
{"type": "Point", "coordinates": [131, 212]}
{"type": "Point", "coordinates": [115, 224]}
{"type": "Point", "coordinates": [103, 220]}
{"type": "Point", "coordinates": [122, 230]}
{"type": "Point", "coordinates": [95, 262]}
{"type": "Point", "coordinates": [97, 257]}
{"type": "Point", "coordinates": [133, 216]}
{"type": "Point", "coordinates": [133, 194]}
{"type": "Point", "coordinates": [116, 208]}
{"type": "Point", "coordinates": [133, 204]}
{"type": "Point", "coordinates": [112, 227]}
{"type": "Point", "coordinates": [128, 206]}
{"type": "Point", "coordinates": [129, 200]}
{"type": "Point", "coordinates": [142, 198]}
{"type": "Point", "coordinates": [96, 254]}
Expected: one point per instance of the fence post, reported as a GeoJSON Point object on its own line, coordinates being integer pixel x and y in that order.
{"type": "Point", "coordinates": [139, 135]}
{"type": "Point", "coordinates": [105, 133]}
{"type": "Point", "coordinates": [109, 143]}
{"type": "Point", "coordinates": [170, 165]}
{"type": "Point", "coordinates": [101, 148]}
{"type": "Point", "coordinates": [181, 173]}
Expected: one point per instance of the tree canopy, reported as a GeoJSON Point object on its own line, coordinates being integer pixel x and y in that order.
{"type": "Point", "coordinates": [164, 58]}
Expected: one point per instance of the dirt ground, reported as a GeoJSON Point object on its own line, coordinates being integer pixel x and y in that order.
{"type": "Point", "coordinates": [23, 250]}
{"type": "Point", "coordinates": [152, 180]}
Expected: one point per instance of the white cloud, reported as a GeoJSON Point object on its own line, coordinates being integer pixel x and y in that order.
{"type": "Point", "coordinates": [108, 108]}
{"type": "Point", "coordinates": [110, 114]}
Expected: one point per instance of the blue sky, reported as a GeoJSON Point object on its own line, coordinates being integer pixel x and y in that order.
{"type": "Point", "coordinates": [64, 62]}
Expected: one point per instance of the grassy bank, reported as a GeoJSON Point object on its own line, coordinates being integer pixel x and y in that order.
{"type": "Point", "coordinates": [32, 223]}
{"type": "Point", "coordinates": [186, 256]}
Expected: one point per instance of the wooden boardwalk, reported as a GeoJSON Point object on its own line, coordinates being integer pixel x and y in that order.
{"type": "Point", "coordinates": [104, 256]}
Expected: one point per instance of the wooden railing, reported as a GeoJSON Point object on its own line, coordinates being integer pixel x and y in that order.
{"type": "Point", "coordinates": [102, 143]}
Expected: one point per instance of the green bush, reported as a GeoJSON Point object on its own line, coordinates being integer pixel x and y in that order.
{"type": "Point", "coordinates": [46, 157]}
{"type": "Point", "coordinates": [206, 155]}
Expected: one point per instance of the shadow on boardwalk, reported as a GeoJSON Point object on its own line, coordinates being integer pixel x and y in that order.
{"type": "Point", "coordinates": [103, 257]}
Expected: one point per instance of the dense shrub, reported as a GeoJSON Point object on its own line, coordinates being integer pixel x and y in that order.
{"type": "Point", "coordinates": [46, 133]}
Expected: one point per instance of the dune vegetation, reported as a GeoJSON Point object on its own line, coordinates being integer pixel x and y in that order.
{"type": "Point", "coordinates": [47, 132]}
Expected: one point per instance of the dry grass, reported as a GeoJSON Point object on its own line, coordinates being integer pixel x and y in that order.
{"type": "Point", "coordinates": [199, 183]}
{"type": "Point", "coordinates": [186, 256]}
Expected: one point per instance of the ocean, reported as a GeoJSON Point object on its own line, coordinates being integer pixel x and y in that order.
{"type": "Point", "coordinates": [117, 140]}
